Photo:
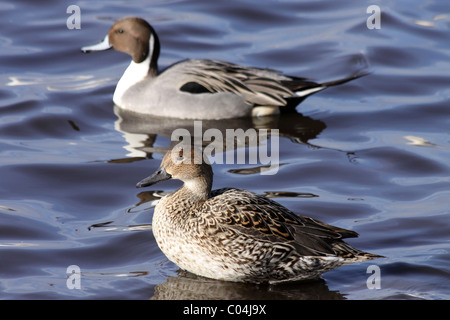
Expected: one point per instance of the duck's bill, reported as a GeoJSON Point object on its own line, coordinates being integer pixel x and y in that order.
{"type": "Point", "coordinates": [158, 176]}
{"type": "Point", "coordinates": [102, 45]}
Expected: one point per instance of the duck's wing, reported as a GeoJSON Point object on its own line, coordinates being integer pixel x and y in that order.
{"type": "Point", "coordinates": [266, 220]}
{"type": "Point", "coordinates": [256, 86]}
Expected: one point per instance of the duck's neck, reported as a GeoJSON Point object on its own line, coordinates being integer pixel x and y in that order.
{"type": "Point", "coordinates": [134, 73]}
{"type": "Point", "coordinates": [138, 71]}
{"type": "Point", "coordinates": [153, 53]}
{"type": "Point", "coordinates": [198, 189]}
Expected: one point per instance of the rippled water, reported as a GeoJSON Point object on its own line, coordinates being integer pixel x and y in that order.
{"type": "Point", "coordinates": [371, 155]}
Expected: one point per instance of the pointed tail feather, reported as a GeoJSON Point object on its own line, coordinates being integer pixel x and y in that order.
{"type": "Point", "coordinates": [306, 91]}
{"type": "Point", "coordinates": [344, 80]}
{"type": "Point", "coordinates": [351, 255]}
{"type": "Point", "coordinates": [303, 88]}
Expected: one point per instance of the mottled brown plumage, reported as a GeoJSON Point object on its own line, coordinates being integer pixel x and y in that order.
{"type": "Point", "coordinates": [236, 235]}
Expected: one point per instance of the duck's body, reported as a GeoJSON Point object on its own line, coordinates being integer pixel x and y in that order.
{"type": "Point", "coordinates": [236, 235]}
{"type": "Point", "coordinates": [197, 88]}
{"type": "Point", "coordinates": [152, 92]}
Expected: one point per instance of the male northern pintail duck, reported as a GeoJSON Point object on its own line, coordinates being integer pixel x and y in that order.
{"type": "Point", "coordinates": [236, 235]}
{"type": "Point", "coordinates": [197, 88]}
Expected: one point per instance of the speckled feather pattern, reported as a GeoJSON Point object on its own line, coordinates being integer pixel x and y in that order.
{"type": "Point", "coordinates": [237, 235]}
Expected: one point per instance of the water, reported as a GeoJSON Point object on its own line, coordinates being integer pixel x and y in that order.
{"type": "Point", "coordinates": [371, 155]}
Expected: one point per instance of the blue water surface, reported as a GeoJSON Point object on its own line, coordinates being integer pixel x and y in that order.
{"type": "Point", "coordinates": [372, 155]}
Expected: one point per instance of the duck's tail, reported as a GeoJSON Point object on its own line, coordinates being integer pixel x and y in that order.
{"type": "Point", "coordinates": [303, 88]}
{"type": "Point", "coordinates": [313, 87]}
{"type": "Point", "coordinates": [344, 80]}
{"type": "Point", "coordinates": [352, 255]}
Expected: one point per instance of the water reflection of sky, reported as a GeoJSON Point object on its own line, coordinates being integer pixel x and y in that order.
{"type": "Point", "coordinates": [371, 155]}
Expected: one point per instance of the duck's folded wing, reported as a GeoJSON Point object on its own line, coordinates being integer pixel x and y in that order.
{"type": "Point", "coordinates": [260, 217]}
{"type": "Point", "coordinates": [256, 86]}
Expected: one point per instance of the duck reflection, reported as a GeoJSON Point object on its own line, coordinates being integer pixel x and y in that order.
{"type": "Point", "coordinates": [141, 132]}
{"type": "Point", "coordinates": [187, 286]}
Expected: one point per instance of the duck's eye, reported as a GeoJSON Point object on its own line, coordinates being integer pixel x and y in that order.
{"type": "Point", "coordinates": [180, 156]}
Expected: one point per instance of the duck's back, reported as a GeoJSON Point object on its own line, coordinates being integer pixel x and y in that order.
{"type": "Point", "coordinates": [267, 220]}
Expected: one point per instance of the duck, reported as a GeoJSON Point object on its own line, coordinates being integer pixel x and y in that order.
{"type": "Point", "coordinates": [236, 235]}
{"type": "Point", "coordinates": [198, 88]}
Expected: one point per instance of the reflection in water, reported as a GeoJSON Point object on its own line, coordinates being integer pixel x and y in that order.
{"type": "Point", "coordinates": [141, 131]}
{"type": "Point", "coordinates": [58, 83]}
{"type": "Point", "coordinates": [418, 141]}
{"type": "Point", "coordinates": [112, 226]}
{"type": "Point", "coordinates": [187, 286]}
{"type": "Point", "coordinates": [289, 194]}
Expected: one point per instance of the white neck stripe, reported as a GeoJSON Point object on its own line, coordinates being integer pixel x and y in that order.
{"type": "Point", "coordinates": [151, 45]}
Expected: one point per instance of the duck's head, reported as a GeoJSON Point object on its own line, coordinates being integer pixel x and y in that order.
{"type": "Point", "coordinates": [184, 163]}
{"type": "Point", "coordinates": [131, 35]}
